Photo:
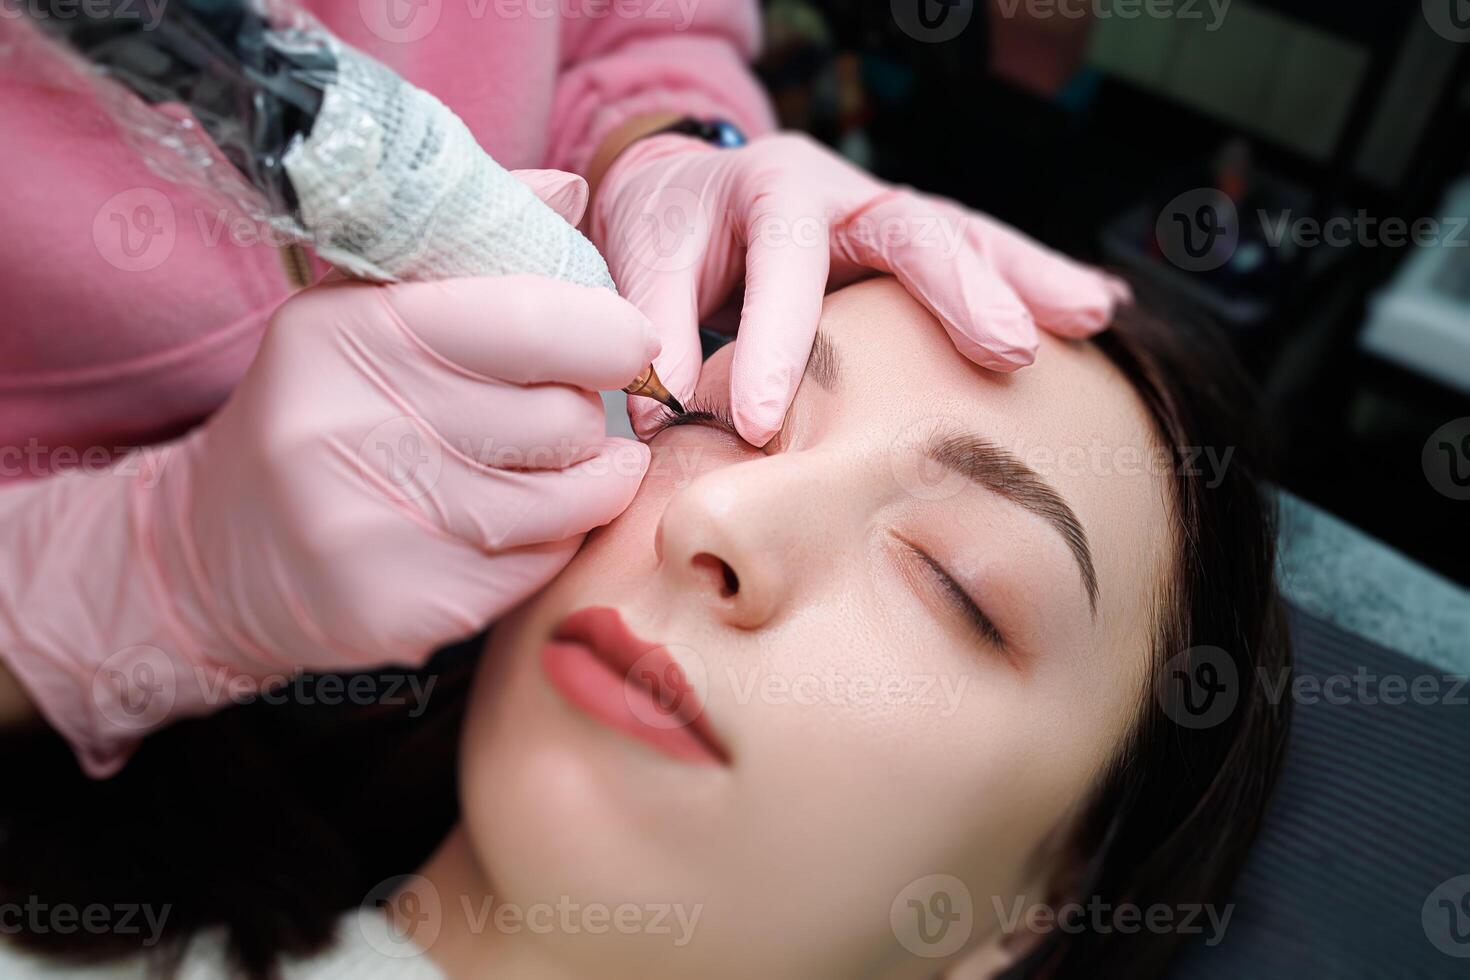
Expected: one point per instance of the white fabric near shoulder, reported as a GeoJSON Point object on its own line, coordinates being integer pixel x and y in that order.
{"type": "Point", "coordinates": [366, 948]}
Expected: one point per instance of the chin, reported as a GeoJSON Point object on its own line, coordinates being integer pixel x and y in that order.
{"type": "Point", "coordinates": [560, 809]}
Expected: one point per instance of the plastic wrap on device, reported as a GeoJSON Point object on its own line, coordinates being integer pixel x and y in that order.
{"type": "Point", "coordinates": [182, 98]}
{"type": "Point", "coordinates": [394, 186]}
{"type": "Point", "coordinates": [256, 102]}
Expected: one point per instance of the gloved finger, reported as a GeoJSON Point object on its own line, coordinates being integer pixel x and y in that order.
{"type": "Point", "coordinates": [507, 578]}
{"type": "Point", "coordinates": [565, 193]}
{"type": "Point", "coordinates": [670, 301]}
{"type": "Point", "coordinates": [1066, 297]}
{"type": "Point", "coordinates": [934, 253]}
{"type": "Point", "coordinates": [474, 589]}
{"type": "Point", "coordinates": [784, 286]}
{"type": "Point", "coordinates": [498, 509]}
{"type": "Point", "coordinates": [1121, 291]}
{"type": "Point", "coordinates": [547, 426]}
{"type": "Point", "coordinates": [527, 329]}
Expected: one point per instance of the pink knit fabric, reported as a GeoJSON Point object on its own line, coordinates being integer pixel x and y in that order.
{"type": "Point", "coordinates": [131, 306]}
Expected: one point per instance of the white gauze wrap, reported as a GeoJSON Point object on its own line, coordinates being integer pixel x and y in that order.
{"type": "Point", "coordinates": [391, 186]}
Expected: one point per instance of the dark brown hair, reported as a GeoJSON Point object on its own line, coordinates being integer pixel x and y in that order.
{"type": "Point", "coordinates": [1172, 821]}
{"type": "Point", "coordinates": [271, 819]}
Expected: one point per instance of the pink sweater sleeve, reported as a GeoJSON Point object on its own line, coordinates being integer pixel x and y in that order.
{"type": "Point", "coordinates": [674, 55]}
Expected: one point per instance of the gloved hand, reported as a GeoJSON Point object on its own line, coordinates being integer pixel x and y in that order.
{"type": "Point", "coordinates": [679, 221]}
{"type": "Point", "coordinates": [398, 466]}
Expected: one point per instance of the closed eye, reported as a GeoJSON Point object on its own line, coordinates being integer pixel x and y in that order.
{"type": "Point", "coordinates": [962, 601]}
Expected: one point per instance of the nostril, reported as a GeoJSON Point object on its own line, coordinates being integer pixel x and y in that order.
{"type": "Point", "coordinates": [729, 582]}
{"type": "Point", "coordinates": [732, 581]}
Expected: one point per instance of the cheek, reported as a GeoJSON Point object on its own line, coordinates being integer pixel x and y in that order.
{"type": "Point", "coordinates": [879, 751]}
{"type": "Point", "coordinates": [895, 746]}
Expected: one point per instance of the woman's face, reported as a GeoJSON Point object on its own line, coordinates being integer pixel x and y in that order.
{"type": "Point", "coordinates": [910, 656]}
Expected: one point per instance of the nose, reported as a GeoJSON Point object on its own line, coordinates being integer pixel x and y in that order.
{"type": "Point", "coordinates": [745, 540]}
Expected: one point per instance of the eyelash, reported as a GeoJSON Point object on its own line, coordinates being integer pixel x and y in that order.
{"type": "Point", "coordinates": [963, 602]}
{"type": "Point", "coordinates": [696, 412]}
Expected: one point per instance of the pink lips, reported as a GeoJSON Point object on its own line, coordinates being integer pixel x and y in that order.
{"type": "Point", "coordinates": [629, 684]}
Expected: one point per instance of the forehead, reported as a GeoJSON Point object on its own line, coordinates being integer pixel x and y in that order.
{"type": "Point", "coordinates": [1071, 416]}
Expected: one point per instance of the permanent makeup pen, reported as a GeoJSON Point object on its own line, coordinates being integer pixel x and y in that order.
{"type": "Point", "coordinates": [648, 385]}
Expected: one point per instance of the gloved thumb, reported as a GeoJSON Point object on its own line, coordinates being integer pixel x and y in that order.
{"type": "Point", "coordinates": [565, 193]}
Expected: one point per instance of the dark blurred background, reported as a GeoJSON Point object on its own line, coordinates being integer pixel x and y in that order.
{"type": "Point", "coordinates": [1298, 170]}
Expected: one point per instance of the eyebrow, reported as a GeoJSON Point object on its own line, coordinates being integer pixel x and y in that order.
{"type": "Point", "coordinates": [1001, 472]}
{"type": "Point", "coordinates": [822, 366]}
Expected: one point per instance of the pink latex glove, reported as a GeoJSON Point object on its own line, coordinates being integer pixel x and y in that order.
{"type": "Point", "coordinates": [399, 466]}
{"type": "Point", "coordinates": [679, 221]}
